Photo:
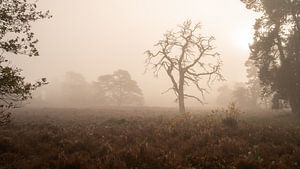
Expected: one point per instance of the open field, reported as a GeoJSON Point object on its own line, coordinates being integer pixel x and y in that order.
{"type": "Point", "coordinates": [146, 139]}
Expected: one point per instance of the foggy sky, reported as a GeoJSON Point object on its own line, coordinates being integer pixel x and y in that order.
{"type": "Point", "coordinates": [96, 37]}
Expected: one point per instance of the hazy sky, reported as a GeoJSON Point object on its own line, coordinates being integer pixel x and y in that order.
{"type": "Point", "coordinates": [95, 37]}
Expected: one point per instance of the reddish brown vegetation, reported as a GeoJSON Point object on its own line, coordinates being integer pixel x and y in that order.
{"type": "Point", "coordinates": [72, 140]}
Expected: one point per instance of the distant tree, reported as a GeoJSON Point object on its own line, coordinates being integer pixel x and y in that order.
{"type": "Point", "coordinates": [16, 37]}
{"type": "Point", "coordinates": [276, 49]}
{"type": "Point", "coordinates": [241, 96]}
{"type": "Point", "coordinates": [119, 89]}
{"type": "Point", "coordinates": [277, 103]}
{"type": "Point", "coordinates": [225, 95]}
{"type": "Point", "coordinates": [258, 98]}
{"type": "Point", "coordinates": [99, 92]}
{"type": "Point", "coordinates": [75, 90]}
{"type": "Point", "coordinates": [187, 57]}
{"type": "Point", "coordinates": [253, 84]}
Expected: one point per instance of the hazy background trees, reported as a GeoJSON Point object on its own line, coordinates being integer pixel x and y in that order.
{"type": "Point", "coordinates": [237, 93]}
{"type": "Point", "coordinates": [224, 95]}
{"type": "Point", "coordinates": [119, 89]}
{"type": "Point", "coordinates": [243, 95]}
{"type": "Point", "coordinates": [76, 90]}
{"type": "Point", "coordinates": [187, 57]}
{"type": "Point", "coordinates": [116, 89]}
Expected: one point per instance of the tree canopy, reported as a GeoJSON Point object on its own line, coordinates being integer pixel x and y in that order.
{"type": "Point", "coordinates": [16, 37]}
{"type": "Point", "coordinates": [119, 89]}
{"type": "Point", "coordinates": [276, 49]}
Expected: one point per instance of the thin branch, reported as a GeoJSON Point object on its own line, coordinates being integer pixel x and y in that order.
{"type": "Point", "coordinates": [194, 97]}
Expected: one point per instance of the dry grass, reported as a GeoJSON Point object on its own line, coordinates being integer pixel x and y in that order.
{"type": "Point", "coordinates": [146, 139]}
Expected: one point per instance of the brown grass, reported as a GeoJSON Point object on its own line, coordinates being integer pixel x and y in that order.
{"type": "Point", "coordinates": [146, 139]}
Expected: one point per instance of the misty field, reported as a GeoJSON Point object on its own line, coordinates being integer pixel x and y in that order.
{"type": "Point", "coordinates": [147, 139]}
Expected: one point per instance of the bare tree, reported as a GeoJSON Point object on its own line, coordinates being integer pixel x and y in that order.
{"type": "Point", "coordinates": [187, 57]}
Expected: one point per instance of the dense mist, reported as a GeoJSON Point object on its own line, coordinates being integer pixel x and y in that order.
{"type": "Point", "coordinates": [105, 36]}
{"type": "Point", "coordinates": [149, 84]}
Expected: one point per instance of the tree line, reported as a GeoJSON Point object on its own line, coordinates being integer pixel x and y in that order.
{"type": "Point", "coordinates": [116, 89]}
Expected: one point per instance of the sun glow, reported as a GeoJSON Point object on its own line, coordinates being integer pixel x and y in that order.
{"type": "Point", "coordinates": [243, 38]}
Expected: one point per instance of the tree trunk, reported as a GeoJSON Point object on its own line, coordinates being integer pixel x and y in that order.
{"type": "Point", "coordinates": [120, 97]}
{"type": "Point", "coordinates": [181, 102]}
{"type": "Point", "coordinates": [181, 94]}
{"type": "Point", "coordinates": [295, 105]}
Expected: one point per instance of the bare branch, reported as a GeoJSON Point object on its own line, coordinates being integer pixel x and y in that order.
{"type": "Point", "coordinates": [194, 97]}
{"type": "Point", "coordinates": [180, 54]}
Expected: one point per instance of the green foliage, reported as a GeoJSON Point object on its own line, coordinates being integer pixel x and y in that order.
{"type": "Point", "coordinates": [13, 90]}
{"type": "Point", "coordinates": [15, 27]}
{"type": "Point", "coordinates": [16, 37]}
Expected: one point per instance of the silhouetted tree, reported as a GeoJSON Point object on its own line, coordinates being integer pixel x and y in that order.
{"type": "Point", "coordinates": [16, 37]}
{"type": "Point", "coordinates": [187, 57]}
{"type": "Point", "coordinates": [276, 49]}
{"type": "Point", "coordinates": [119, 89]}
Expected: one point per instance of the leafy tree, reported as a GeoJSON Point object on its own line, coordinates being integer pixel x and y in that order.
{"type": "Point", "coordinates": [278, 103]}
{"type": "Point", "coordinates": [258, 98]}
{"type": "Point", "coordinates": [276, 49]}
{"type": "Point", "coordinates": [119, 89]}
{"type": "Point", "coordinates": [16, 37]}
{"type": "Point", "coordinates": [187, 57]}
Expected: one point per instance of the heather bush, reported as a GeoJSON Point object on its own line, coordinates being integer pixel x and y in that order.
{"type": "Point", "coordinates": [230, 116]}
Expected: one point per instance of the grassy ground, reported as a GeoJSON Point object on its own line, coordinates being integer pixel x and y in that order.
{"type": "Point", "coordinates": [147, 139]}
